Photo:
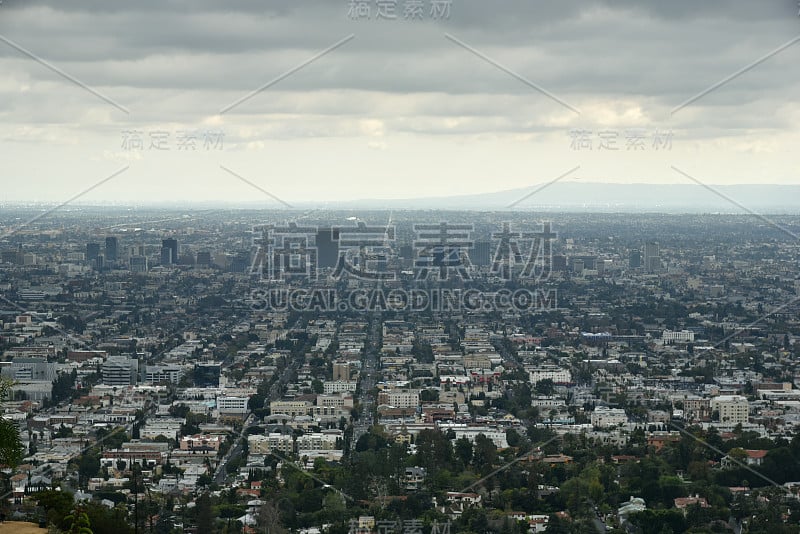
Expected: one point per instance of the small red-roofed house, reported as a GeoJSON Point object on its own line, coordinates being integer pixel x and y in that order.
{"type": "Point", "coordinates": [682, 503]}
{"type": "Point", "coordinates": [754, 457]}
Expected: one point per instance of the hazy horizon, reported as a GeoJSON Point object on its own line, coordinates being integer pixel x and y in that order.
{"type": "Point", "coordinates": [567, 197]}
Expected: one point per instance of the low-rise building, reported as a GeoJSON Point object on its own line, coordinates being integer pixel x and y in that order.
{"type": "Point", "coordinates": [605, 417]}
{"type": "Point", "coordinates": [200, 442]}
{"type": "Point", "coordinates": [732, 409]}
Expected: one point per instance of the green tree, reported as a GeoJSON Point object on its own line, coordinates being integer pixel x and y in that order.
{"type": "Point", "coordinates": [434, 450]}
{"type": "Point", "coordinates": [11, 449]}
{"type": "Point", "coordinates": [513, 438]}
{"type": "Point", "coordinates": [256, 401]}
{"type": "Point", "coordinates": [78, 522]}
{"type": "Point", "coordinates": [485, 453]}
{"type": "Point", "coordinates": [57, 504]}
{"type": "Point", "coordinates": [545, 387]}
{"type": "Point", "coordinates": [109, 521]}
{"type": "Point", "coordinates": [111, 439]}
{"type": "Point", "coordinates": [205, 515]}
{"type": "Point", "coordinates": [429, 395]}
{"type": "Point", "coordinates": [88, 467]}
{"type": "Point", "coordinates": [317, 386]}
{"type": "Point", "coordinates": [463, 450]}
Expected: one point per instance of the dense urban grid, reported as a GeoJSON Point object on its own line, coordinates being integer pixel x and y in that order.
{"type": "Point", "coordinates": [417, 372]}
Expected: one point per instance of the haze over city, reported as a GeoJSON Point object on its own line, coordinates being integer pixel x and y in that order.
{"type": "Point", "coordinates": [399, 267]}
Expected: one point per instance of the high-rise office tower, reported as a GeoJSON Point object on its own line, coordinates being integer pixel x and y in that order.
{"type": "Point", "coordinates": [635, 260]}
{"type": "Point", "coordinates": [166, 256]}
{"type": "Point", "coordinates": [172, 245]}
{"type": "Point", "coordinates": [480, 254]}
{"type": "Point", "coordinates": [112, 246]}
{"type": "Point", "coordinates": [327, 240]}
{"type": "Point", "coordinates": [92, 251]}
{"type": "Point", "coordinates": [240, 263]}
{"type": "Point", "coordinates": [138, 264]}
{"type": "Point", "coordinates": [652, 260]}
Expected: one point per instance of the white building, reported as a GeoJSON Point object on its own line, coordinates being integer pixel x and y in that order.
{"type": "Point", "coordinates": [605, 417]}
{"type": "Point", "coordinates": [339, 386]}
{"type": "Point", "coordinates": [400, 398]}
{"type": "Point", "coordinates": [319, 441]}
{"type": "Point", "coordinates": [497, 435]}
{"type": "Point", "coordinates": [169, 428]}
{"type": "Point", "coordinates": [120, 371]}
{"type": "Point", "coordinates": [339, 401]}
{"type": "Point", "coordinates": [684, 336]}
{"type": "Point", "coordinates": [548, 402]}
{"type": "Point", "coordinates": [634, 505]}
{"type": "Point", "coordinates": [290, 408]}
{"type": "Point", "coordinates": [556, 374]}
{"type": "Point", "coordinates": [156, 374]}
{"type": "Point", "coordinates": [275, 441]}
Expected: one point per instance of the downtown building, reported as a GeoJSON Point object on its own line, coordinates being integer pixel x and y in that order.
{"type": "Point", "coordinates": [120, 371]}
{"type": "Point", "coordinates": [157, 374]}
{"type": "Point", "coordinates": [232, 406]}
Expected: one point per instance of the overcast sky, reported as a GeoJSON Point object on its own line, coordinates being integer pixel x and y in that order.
{"type": "Point", "coordinates": [486, 97]}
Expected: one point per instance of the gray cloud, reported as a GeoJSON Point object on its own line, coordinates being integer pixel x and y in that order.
{"type": "Point", "coordinates": [175, 64]}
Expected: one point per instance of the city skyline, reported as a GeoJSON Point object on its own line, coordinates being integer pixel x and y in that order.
{"type": "Point", "coordinates": [399, 266]}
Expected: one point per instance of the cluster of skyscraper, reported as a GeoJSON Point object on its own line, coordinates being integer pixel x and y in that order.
{"type": "Point", "coordinates": [99, 257]}
{"type": "Point", "coordinates": [104, 258]}
{"type": "Point", "coordinates": [652, 258]}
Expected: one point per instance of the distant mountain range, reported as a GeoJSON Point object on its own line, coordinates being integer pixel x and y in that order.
{"type": "Point", "coordinates": [555, 197]}
{"type": "Point", "coordinates": [605, 197]}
